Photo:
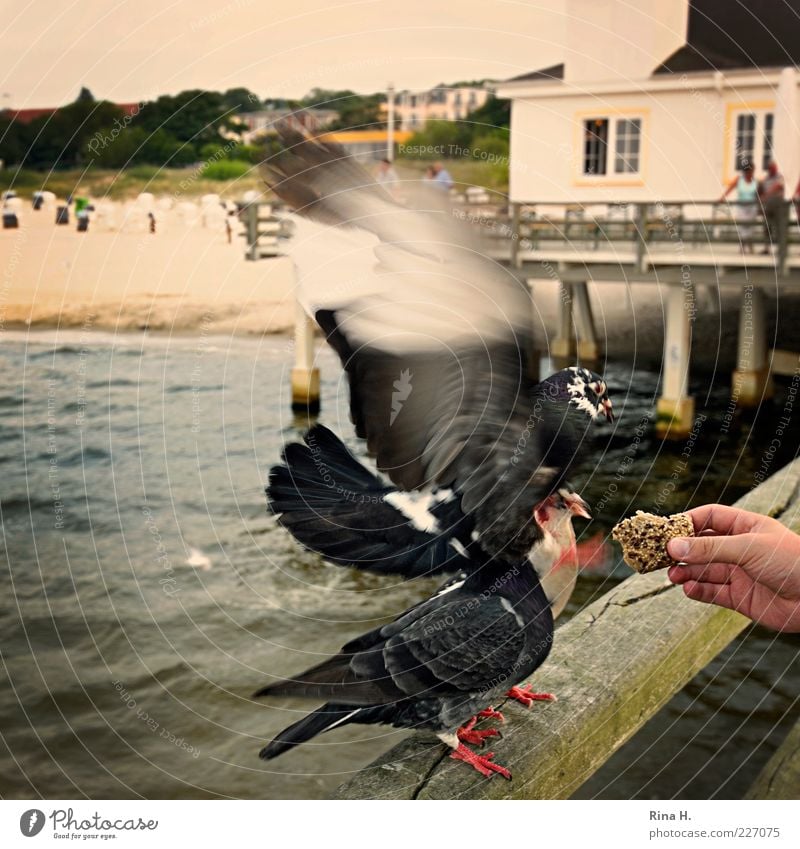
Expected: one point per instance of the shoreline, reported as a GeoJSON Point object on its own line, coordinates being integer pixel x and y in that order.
{"type": "Point", "coordinates": [186, 277]}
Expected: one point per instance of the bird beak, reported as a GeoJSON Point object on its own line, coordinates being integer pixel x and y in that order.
{"type": "Point", "coordinates": [608, 411]}
{"type": "Point", "coordinates": [577, 506]}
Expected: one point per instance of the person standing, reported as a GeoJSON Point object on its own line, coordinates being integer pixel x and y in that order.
{"type": "Point", "coordinates": [771, 193]}
{"type": "Point", "coordinates": [387, 176]}
{"type": "Point", "coordinates": [441, 177]}
{"type": "Point", "coordinates": [746, 204]}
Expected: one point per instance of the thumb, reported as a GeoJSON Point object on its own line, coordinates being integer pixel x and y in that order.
{"type": "Point", "coordinates": [712, 549]}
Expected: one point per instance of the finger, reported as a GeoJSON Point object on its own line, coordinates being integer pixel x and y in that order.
{"type": "Point", "coordinates": [711, 573]}
{"type": "Point", "coordinates": [705, 550]}
{"type": "Point", "coordinates": [724, 519]}
{"type": "Point", "coordinates": [719, 594]}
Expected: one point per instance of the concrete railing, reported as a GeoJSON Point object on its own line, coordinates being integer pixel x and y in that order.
{"type": "Point", "coordinates": [613, 666]}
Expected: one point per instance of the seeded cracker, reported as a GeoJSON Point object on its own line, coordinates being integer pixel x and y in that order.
{"type": "Point", "coordinates": [644, 538]}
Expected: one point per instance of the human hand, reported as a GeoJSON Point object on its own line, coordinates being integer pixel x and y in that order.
{"type": "Point", "coordinates": [743, 561]}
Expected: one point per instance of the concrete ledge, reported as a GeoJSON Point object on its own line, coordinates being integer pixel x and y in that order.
{"type": "Point", "coordinates": [780, 778]}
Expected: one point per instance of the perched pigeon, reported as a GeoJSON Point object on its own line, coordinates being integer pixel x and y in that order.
{"type": "Point", "coordinates": [433, 338]}
{"type": "Point", "coordinates": [435, 667]}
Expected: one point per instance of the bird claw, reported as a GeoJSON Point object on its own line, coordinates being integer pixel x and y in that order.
{"type": "Point", "coordinates": [466, 734]}
{"type": "Point", "coordinates": [491, 713]}
{"type": "Point", "coordinates": [482, 763]}
{"type": "Point", "coordinates": [524, 696]}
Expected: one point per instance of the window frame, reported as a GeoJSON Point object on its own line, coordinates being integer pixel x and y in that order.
{"type": "Point", "coordinates": [759, 110]}
{"type": "Point", "coordinates": [614, 119]}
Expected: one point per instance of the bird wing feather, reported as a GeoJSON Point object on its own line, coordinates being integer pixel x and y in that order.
{"type": "Point", "coordinates": [432, 334]}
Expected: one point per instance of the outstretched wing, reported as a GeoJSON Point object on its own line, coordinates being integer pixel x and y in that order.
{"type": "Point", "coordinates": [432, 334]}
{"type": "Point", "coordinates": [335, 506]}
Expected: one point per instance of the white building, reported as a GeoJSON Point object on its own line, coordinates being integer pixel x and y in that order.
{"type": "Point", "coordinates": [659, 100]}
{"type": "Point", "coordinates": [413, 109]}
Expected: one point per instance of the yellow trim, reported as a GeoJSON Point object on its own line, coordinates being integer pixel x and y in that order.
{"type": "Point", "coordinates": [610, 183]}
{"type": "Point", "coordinates": [729, 137]}
{"type": "Point", "coordinates": [611, 180]}
{"type": "Point", "coordinates": [355, 136]}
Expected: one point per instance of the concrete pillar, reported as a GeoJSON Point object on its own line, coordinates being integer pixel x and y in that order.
{"type": "Point", "coordinates": [589, 348]}
{"type": "Point", "coordinates": [675, 408]}
{"type": "Point", "coordinates": [563, 346]}
{"type": "Point", "coordinates": [305, 376]}
{"type": "Point", "coordinates": [751, 382]}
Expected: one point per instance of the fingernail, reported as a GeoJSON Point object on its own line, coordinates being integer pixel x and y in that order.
{"type": "Point", "coordinates": [678, 548]}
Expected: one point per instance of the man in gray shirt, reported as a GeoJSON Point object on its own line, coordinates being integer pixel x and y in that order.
{"type": "Point", "coordinates": [771, 193]}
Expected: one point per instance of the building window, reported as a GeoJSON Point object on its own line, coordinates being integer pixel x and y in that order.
{"type": "Point", "coordinates": [612, 146]}
{"type": "Point", "coordinates": [745, 140]}
{"type": "Point", "coordinates": [753, 138]}
{"type": "Point", "coordinates": [769, 119]}
{"type": "Point", "coordinates": [627, 146]}
{"type": "Point", "coordinates": [595, 146]}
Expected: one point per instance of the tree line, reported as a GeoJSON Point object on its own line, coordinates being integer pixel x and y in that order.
{"type": "Point", "coordinates": [196, 125]}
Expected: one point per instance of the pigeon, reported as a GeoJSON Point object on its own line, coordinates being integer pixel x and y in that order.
{"type": "Point", "coordinates": [435, 666]}
{"type": "Point", "coordinates": [433, 339]}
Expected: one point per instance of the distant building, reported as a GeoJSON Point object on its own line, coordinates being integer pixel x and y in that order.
{"type": "Point", "coordinates": [445, 103]}
{"type": "Point", "coordinates": [26, 116]}
{"type": "Point", "coordinates": [367, 144]}
{"type": "Point", "coordinates": [658, 101]}
{"type": "Point", "coordinates": [256, 124]}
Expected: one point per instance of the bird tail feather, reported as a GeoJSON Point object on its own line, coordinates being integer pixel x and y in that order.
{"type": "Point", "coordinates": [322, 719]}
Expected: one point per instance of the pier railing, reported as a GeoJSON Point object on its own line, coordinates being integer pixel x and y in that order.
{"type": "Point", "coordinates": [642, 232]}
{"type": "Point", "coordinates": [612, 667]}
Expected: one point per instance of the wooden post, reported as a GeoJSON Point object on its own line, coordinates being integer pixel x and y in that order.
{"type": "Point", "coordinates": [562, 347]}
{"type": "Point", "coordinates": [305, 375]}
{"type": "Point", "coordinates": [675, 409]}
{"type": "Point", "coordinates": [783, 237]}
{"type": "Point", "coordinates": [640, 229]}
{"type": "Point", "coordinates": [533, 354]}
{"type": "Point", "coordinates": [515, 235]}
{"type": "Point", "coordinates": [589, 349]}
{"type": "Point", "coordinates": [251, 231]}
{"type": "Point", "coordinates": [751, 382]}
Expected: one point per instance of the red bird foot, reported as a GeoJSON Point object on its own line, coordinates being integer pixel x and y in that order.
{"type": "Point", "coordinates": [483, 763]}
{"type": "Point", "coordinates": [491, 713]}
{"type": "Point", "coordinates": [466, 734]}
{"type": "Point", "coordinates": [527, 698]}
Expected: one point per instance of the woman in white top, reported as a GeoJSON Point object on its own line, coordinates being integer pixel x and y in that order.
{"type": "Point", "coordinates": [746, 212]}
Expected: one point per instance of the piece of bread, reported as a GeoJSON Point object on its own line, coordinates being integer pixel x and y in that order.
{"type": "Point", "coordinates": [644, 538]}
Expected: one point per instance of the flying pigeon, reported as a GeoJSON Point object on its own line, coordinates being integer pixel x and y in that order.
{"type": "Point", "coordinates": [432, 337]}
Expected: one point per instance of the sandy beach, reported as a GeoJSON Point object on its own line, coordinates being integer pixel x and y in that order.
{"type": "Point", "coordinates": [119, 276]}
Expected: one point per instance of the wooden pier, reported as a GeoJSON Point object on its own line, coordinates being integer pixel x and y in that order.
{"type": "Point", "coordinates": [613, 666]}
{"type": "Point", "coordinates": [264, 229]}
{"type": "Point", "coordinates": [679, 245]}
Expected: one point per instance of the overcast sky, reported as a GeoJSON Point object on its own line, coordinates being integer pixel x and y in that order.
{"type": "Point", "coordinates": [138, 49]}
